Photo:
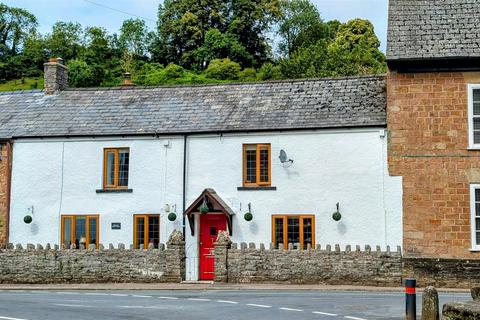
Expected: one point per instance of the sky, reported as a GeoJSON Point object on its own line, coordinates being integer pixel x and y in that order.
{"type": "Point", "coordinates": [89, 14]}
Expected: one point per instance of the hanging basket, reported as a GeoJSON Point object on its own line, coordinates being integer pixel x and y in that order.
{"type": "Point", "coordinates": [337, 216]}
{"type": "Point", "coordinates": [28, 219]}
{"type": "Point", "coordinates": [248, 216]}
{"type": "Point", "coordinates": [204, 207]}
{"type": "Point", "coordinates": [172, 216]}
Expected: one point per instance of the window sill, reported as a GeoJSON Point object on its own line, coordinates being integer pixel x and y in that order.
{"type": "Point", "coordinates": [259, 188]}
{"type": "Point", "coordinates": [114, 190]}
{"type": "Point", "coordinates": [473, 148]}
{"type": "Point", "coordinates": [475, 250]}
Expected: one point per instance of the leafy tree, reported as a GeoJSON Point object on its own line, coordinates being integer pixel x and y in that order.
{"type": "Point", "coordinates": [300, 25]}
{"type": "Point", "coordinates": [269, 71]}
{"type": "Point", "coordinates": [134, 37]}
{"type": "Point", "coordinates": [65, 41]}
{"type": "Point", "coordinates": [355, 49]}
{"type": "Point", "coordinates": [81, 74]}
{"type": "Point", "coordinates": [223, 69]}
{"type": "Point", "coordinates": [15, 26]}
{"type": "Point", "coordinates": [218, 45]}
{"type": "Point", "coordinates": [248, 74]}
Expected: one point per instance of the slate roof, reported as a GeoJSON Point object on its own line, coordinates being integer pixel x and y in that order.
{"type": "Point", "coordinates": [300, 104]}
{"type": "Point", "coordinates": [433, 29]}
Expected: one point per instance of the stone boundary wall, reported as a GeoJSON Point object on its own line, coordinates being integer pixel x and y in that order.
{"type": "Point", "coordinates": [446, 273]}
{"type": "Point", "coordinates": [36, 265]}
{"type": "Point", "coordinates": [242, 264]}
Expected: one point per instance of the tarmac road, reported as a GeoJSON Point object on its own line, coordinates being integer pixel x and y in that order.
{"type": "Point", "coordinates": [205, 304]}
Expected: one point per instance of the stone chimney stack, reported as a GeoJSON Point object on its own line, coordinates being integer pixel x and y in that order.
{"type": "Point", "coordinates": [56, 76]}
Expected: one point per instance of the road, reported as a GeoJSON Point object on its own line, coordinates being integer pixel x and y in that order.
{"type": "Point", "coordinates": [205, 305]}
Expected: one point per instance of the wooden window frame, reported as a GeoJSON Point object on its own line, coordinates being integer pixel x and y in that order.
{"type": "Point", "coordinates": [116, 152]}
{"type": "Point", "coordinates": [285, 228]}
{"type": "Point", "coordinates": [145, 236]}
{"type": "Point", "coordinates": [259, 146]}
{"type": "Point", "coordinates": [471, 138]}
{"type": "Point", "coordinates": [87, 227]}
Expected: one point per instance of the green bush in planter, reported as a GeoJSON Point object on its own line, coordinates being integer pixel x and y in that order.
{"type": "Point", "coordinates": [248, 216]}
{"type": "Point", "coordinates": [172, 216]}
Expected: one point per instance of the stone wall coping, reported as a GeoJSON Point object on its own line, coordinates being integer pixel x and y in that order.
{"type": "Point", "coordinates": [318, 248]}
{"type": "Point", "coordinates": [101, 247]}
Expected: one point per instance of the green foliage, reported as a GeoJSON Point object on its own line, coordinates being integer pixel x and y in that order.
{"type": "Point", "coordinates": [223, 69]}
{"type": "Point", "coordinates": [196, 41]}
{"type": "Point", "coordinates": [300, 25]}
{"type": "Point", "coordinates": [22, 84]}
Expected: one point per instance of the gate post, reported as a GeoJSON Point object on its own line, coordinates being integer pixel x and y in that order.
{"type": "Point", "coordinates": [222, 244]}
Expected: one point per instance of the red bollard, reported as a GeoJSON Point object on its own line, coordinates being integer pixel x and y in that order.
{"type": "Point", "coordinates": [410, 299]}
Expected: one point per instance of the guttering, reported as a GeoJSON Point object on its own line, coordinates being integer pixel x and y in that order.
{"type": "Point", "coordinates": [442, 64]}
{"type": "Point", "coordinates": [180, 133]}
{"type": "Point", "coordinates": [184, 190]}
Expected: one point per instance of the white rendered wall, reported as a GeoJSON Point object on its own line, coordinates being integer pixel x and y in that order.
{"type": "Point", "coordinates": [349, 167]}
{"type": "Point", "coordinates": [330, 166]}
{"type": "Point", "coordinates": [37, 181]}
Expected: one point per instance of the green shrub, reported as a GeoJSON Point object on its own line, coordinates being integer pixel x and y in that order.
{"type": "Point", "coordinates": [248, 74]}
{"type": "Point", "coordinates": [223, 69]}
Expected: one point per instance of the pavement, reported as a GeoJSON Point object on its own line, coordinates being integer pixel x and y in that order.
{"type": "Point", "coordinates": [210, 302]}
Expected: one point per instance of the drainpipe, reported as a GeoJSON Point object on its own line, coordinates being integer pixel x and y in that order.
{"type": "Point", "coordinates": [8, 191]}
{"type": "Point", "coordinates": [184, 183]}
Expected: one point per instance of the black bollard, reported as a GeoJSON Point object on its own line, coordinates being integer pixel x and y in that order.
{"type": "Point", "coordinates": [410, 299]}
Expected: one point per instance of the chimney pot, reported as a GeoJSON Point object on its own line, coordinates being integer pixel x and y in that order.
{"type": "Point", "coordinates": [127, 79]}
{"type": "Point", "coordinates": [56, 75]}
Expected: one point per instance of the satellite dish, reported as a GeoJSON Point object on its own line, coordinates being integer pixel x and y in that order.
{"type": "Point", "coordinates": [284, 158]}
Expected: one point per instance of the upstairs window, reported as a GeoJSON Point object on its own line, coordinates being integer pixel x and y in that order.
{"type": "Point", "coordinates": [474, 115]}
{"type": "Point", "coordinates": [115, 171]}
{"type": "Point", "coordinates": [256, 165]}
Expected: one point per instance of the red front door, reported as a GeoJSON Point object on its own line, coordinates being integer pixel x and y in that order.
{"type": "Point", "coordinates": [210, 225]}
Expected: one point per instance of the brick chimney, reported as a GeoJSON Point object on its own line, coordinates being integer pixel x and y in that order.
{"type": "Point", "coordinates": [127, 80]}
{"type": "Point", "coordinates": [56, 76]}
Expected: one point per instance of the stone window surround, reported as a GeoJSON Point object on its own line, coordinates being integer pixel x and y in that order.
{"type": "Point", "coordinates": [471, 143]}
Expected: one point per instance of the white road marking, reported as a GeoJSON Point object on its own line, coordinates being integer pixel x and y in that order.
{"type": "Point", "coordinates": [290, 309]}
{"type": "Point", "coordinates": [119, 294]}
{"type": "Point", "coordinates": [140, 296]}
{"type": "Point", "coordinates": [67, 292]}
{"type": "Point", "coordinates": [8, 318]}
{"type": "Point", "coordinates": [198, 299]}
{"type": "Point", "coordinates": [325, 313]}
{"type": "Point", "coordinates": [131, 307]}
{"type": "Point", "coordinates": [71, 305]}
{"type": "Point", "coordinates": [168, 298]}
{"type": "Point", "coordinates": [354, 318]}
{"type": "Point", "coordinates": [258, 305]}
{"type": "Point", "coordinates": [96, 294]}
{"type": "Point", "coordinates": [226, 301]}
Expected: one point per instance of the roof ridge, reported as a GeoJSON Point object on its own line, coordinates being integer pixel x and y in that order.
{"type": "Point", "coordinates": [200, 85]}
{"type": "Point", "coordinates": [5, 93]}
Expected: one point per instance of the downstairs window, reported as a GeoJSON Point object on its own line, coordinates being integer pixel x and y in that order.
{"type": "Point", "coordinates": [146, 230]}
{"type": "Point", "coordinates": [296, 229]}
{"type": "Point", "coordinates": [80, 229]}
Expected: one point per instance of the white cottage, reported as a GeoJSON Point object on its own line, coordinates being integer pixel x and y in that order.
{"type": "Point", "coordinates": [269, 162]}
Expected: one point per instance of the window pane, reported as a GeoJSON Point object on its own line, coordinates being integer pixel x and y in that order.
{"type": "Point", "coordinates": [293, 228]}
{"type": "Point", "coordinates": [264, 164]}
{"type": "Point", "coordinates": [477, 195]}
{"type": "Point", "coordinates": [476, 136]}
{"type": "Point", "coordinates": [154, 230]}
{"type": "Point", "coordinates": [140, 231]}
{"type": "Point", "coordinates": [124, 158]}
{"type": "Point", "coordinates": [278, 231]}
{"type": "Point", "coordinates": [110, 168]}
{"type": "Point", "coordinates": [478, 238]}
{"type": "Point", "coordinates": [80, 231]}
{"type": "Point", "coordinates": [92, 230]}
{"type": "Point", "coordinates": [477, 208]}
{"type": "Point", "coordinates": [251, 163]}
{"type": "Point", "coordinates": [307, 232]}
{"type": "Point", "coordinates": [67, 232]}
{"type": "Point", "coordinates": [476, 102]}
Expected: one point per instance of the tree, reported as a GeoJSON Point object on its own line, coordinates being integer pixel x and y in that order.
{"type": "Point", "coordinates": [15, 26]}
{"type": "Point", "coordinates": [355, 49]}
{"type": "Point", "coordinates": [65, 40]}
{"type": "Point", "coordinates": [218, 45]}
{"type": "Point", "coordinates": [300, 25]}
{"type": "Point", "coordinates": [81, 74]}
{"type": "Point", "coordinates": [134, 37]}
